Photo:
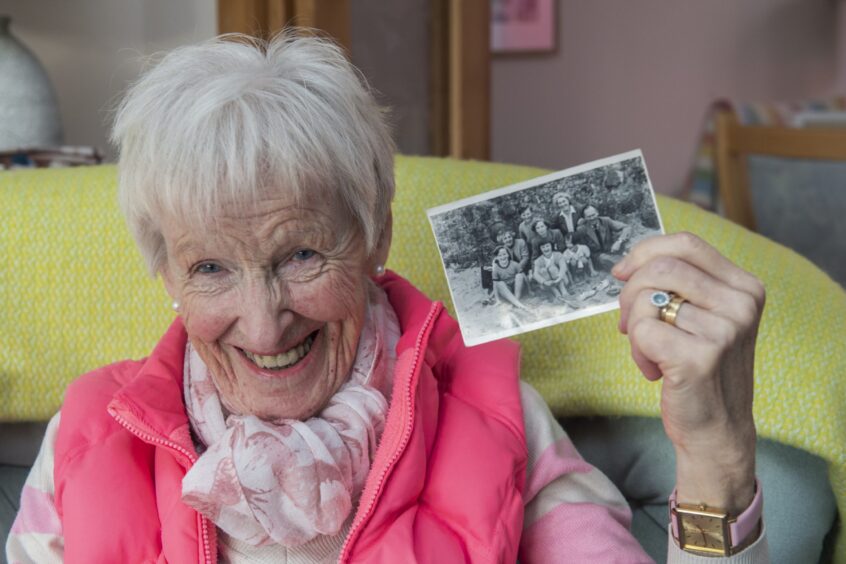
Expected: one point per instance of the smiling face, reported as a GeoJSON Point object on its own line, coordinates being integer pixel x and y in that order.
{"type": "Point", "coordinates": [562, 201]}
{"type": "Point", "coordinates": [273, 302]}
{"type": "Point", "coordinates": [546, 249]}
{"type": "Point", "coordinates": [540, 228]}
{"type": "Point", "coordinates": [502, 258]}
{"type": "Point", "coordinates": [526, 214]}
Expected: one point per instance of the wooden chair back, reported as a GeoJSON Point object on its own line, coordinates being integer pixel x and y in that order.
{"type": "Point", "coordinates": [735, 142]}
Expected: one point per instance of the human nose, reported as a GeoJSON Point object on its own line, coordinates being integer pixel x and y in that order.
{"type": "Point", "coordinates": [264, 316]}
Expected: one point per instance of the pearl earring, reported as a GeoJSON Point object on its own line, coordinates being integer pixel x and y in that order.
{"type": "Point", "coordinates": [380, 269]}
{"type": "Point", "coordinates": [175, 306]}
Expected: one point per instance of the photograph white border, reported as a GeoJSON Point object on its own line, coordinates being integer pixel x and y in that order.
{"type": "Point", "coordinates": [531, 183]}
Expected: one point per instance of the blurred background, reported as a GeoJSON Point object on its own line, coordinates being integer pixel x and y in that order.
{"type": "Point", "coordinates": [550, 83]}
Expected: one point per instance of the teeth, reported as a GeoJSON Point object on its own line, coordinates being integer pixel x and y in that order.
{"type": "Point", "coordinates": [285, 359]}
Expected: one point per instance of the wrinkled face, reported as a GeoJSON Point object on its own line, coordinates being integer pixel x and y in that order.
{"type": "Point", "coordinates": [540, 228]}
{"type": "Point", "coordinates": [562, 201]}
{"type": "Point", "coordinates": [502, 258]}
{"type": "Point", "coordinates": [591, 215]}
{"type": "Point", "coordinates": [273, 302]}
{"type": "Point", "coordinates": [506, 239]}
{"type": "Point", "coordinates": [546, 249]}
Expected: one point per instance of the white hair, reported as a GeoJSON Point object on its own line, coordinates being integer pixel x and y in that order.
{"type": "Point", "coordinates": [220, 124]}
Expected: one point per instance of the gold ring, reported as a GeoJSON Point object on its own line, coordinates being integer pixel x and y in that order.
{"type": "Point", "coordinates": [669, 312]}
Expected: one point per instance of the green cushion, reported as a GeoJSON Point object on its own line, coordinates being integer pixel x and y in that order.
{"type": "Point", "coordinates": [636, 454]}
{"type": "Point", "coordinates": [75, 296]}
{"type": "Point", "coordinates": [74, 291]}
{"type": "Point", "coordinates": [12, 480]}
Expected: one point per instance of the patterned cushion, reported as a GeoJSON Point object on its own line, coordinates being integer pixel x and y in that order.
{"type": "Point", "coordinates": [75, 296]}
{"type": "Point", "coordinates": [74, 291]}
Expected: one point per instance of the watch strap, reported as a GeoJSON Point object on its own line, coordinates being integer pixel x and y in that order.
{"type": "Point", "coordinates": [747, 522]}
{"type": "Point", "coordinates": [740, 527]}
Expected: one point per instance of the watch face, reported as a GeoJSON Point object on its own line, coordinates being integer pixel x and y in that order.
{"type": "Point", "coordinates": [702, 531]}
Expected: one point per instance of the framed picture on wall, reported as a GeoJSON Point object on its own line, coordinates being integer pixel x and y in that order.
{"type": "Point", "coordinates": [522, 26]}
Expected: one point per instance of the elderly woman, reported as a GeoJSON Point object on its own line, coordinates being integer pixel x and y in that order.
{"type": "Point", "coordinates": [307, 406]}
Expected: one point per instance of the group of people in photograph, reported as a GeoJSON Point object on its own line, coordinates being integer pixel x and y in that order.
{"type": "Point", "coordinates": [548, 254]}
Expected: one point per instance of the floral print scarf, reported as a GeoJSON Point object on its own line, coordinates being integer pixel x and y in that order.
{"type": "Point", "coordinates": [287, 481]}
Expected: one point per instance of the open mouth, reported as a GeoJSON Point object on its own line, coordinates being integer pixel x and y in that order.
{"type": "Point", "coordinates": [283, 360]}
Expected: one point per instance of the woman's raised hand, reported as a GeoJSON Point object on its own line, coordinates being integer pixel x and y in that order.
{"type": "Point", "coordinates": [706, 360]}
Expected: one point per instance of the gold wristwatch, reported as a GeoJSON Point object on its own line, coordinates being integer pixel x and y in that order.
{"type": "Point", "coordinates": [702, 530]}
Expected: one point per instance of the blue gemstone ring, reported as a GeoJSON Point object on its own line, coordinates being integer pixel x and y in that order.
{"type": "Point", "coordinates": [660, 299]}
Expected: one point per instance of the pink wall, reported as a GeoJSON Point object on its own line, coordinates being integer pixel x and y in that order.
{"type": "Point", "coordinates": [629, 74]}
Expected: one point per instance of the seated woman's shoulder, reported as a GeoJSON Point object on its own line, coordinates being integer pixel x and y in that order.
{"type": "Point", "coordinates": [96, 389]}
{"type": "Point", "coordinates": [109, 377]}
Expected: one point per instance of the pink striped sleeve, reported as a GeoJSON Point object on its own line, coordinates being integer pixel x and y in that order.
{"type": "Point", "coordinates": [573, 512]}
{"type": "Point", "coordinates": [37, 514]}
{"type": "Point", "coordinates": [581, 532]}
{"type": "Point", "coordinates": [558, 459]}
{"type": "Point", "coordinates": [36, 534]}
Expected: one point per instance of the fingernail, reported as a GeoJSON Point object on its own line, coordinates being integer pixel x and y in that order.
{"type": "Point", "coordinates": [619, 268]}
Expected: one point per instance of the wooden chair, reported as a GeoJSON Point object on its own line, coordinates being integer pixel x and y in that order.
{"type": "Point", "coordinates": [735, 142]}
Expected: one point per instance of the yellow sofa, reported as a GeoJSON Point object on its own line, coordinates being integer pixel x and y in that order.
{"type": "Point", "coordinates": [74, 295]}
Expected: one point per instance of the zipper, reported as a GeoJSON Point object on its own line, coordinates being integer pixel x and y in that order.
{"type": "Point", "coordinates": [406, 435]}
{"type": "Point", "coordinates": [204, 524]}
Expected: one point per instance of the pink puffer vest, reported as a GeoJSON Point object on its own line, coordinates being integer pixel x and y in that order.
{"type": "Point", "coordinates": [445, 485]}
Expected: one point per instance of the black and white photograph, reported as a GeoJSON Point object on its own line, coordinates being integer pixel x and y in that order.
{"type": "Point", "coordinates": [540, 252]}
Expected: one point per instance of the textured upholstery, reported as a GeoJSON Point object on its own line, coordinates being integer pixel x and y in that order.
{"type": "Point", "coordinates": [800, 204]}
{"type": "Point", "coordinates": [74, 291]}
{"type": "Point", "coordinates": [76, 296]}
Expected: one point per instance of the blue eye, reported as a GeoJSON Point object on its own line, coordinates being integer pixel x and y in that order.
{"type": "Point", "coordinates": [208, 268]}
{"type": "Point", "coordinates": [304, 254]}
